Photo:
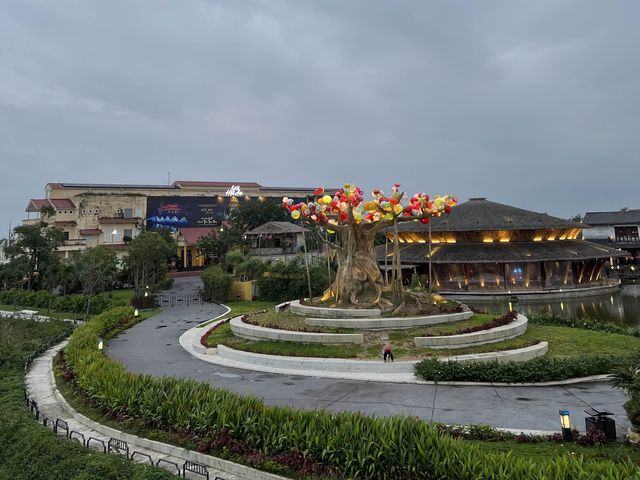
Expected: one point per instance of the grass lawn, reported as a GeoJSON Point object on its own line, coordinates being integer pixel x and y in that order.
{"type": "Point", "coordinates": [124, 294]}
{"type": "Point", "coordinates": [43, 311]}
{"type": "Point", "coordinates": [29, 451]}
{"type": "Point", "coordinates": [614, 451]}
{"type": "Point", "coordinates": [563, 342]}
{"type": "Point", "coordinates": [238, 308]}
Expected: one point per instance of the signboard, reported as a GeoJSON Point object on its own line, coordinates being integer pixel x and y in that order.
{"type": "Point", "coordinates": [176, 212]}
{"type": "Point", "coordinates": [234, 191]}
{"type": "Point", "coordinates": [179, 212]}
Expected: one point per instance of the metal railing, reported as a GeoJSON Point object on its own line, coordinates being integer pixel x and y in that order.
{"type": "Point", "coordinates": [113, 445]}
{"type": "Point", "coordinates": [171, 301]}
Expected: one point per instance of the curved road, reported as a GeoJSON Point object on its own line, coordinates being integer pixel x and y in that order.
{"type": "Point", "coordinates": [152, 347]}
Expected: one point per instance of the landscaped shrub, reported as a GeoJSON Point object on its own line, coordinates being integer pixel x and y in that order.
{"type": "Point", "coordinates": [628, 379]}
{"type": "Point", "coordinates": [288, 281]}
{"type": "Point", "coordinates": [356, 445]}
{"type": "Point", "coordinates": [30, 451]}
{"type": "Point", "coordinates": [541, 369]}
{"type": "Point", "coordinates": [217, 284]}
{"type": "Point", "coordinates": [74, 303]}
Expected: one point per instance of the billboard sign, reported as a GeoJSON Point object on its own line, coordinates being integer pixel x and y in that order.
{"type": "Point", "coordinates": [178, 212]}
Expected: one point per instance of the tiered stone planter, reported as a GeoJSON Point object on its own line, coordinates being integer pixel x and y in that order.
{"type": "Point", "coordinates": [384, 323]}
{"type": "Point", "coordinates": [310, 311]}
{"type": "Point", "coordinates": [492, 335]}
{"type": "Point", "coordinates": [311, 364]}
{"type": "Point", "coordinates": [254, 332]}
{"type": "Point", "coordinates": [364, 319]}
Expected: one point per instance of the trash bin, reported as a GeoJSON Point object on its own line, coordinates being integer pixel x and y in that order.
{"type": "Point", "coordinates": [599, 419]}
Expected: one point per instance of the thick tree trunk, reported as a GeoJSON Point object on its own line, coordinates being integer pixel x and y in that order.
{"type": "Point", "coordinates": [358, 282]}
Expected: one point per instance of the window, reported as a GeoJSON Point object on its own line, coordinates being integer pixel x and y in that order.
{"type": "Point", "coordinates": [138, 212]}
{"type": "Point", "coordinates": [110, 237]}
{"type": "Point", "coordinates": [627, 234]}
{"type": "Point", "coordinates": [128, 235]}
{"type": "Point", "coordinates": [66, 235]}
{"type": "Point", "coordinates": [128, 213]}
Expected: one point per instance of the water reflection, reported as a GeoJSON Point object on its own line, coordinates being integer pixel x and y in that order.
{"type": "Point", "coordinates": [621, 307]}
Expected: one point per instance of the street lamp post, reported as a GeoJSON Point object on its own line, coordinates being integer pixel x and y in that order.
{"type": "Point", "coordinates": [113, 234]}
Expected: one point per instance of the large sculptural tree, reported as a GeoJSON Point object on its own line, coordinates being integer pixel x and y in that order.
{"type": "Point", "coordinates": [355, 222]}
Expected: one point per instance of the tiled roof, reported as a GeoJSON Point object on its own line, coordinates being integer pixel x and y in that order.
{"type": "Point", "coordinates": [35, 204]}
{"type": "Point", "coordinates": [62, 204]}
{"type": "Point", "coordinates": [99, 186]}
{"type": "Point", "coordinates": [479, 214]}
{"type": "Point", "coordinates": [622, 217]}
{"type": "Point", "coordinates": [191, 235]}
{"type": "Point", "coordinates": [414, 253]}
{"type": "Point", "coordinates": [272, 228]}
{"type": "Point", "coordinates": [196, 183]}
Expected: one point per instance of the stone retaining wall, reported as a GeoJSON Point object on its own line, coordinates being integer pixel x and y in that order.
{"type": "Point", "coordinates": [254, 332]}
{"type": "Point", "coordinates": [492, 335]}
{"type": "Point", "coordinates": [307, 310]}
{"type": "Point", "coordinates": [310, 364]}
{"type": "Point", "coordinates": [389, 322]}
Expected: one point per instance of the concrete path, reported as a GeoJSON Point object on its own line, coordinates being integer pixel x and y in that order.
{"type": "Point", "coordinates": [41, 387]}
{"type": "Point", "coordinates": [152, 347]}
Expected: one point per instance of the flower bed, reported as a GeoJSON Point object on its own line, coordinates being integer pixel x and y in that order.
{"type": "Point", "coordinates": [344, 445]}
{"type": "Point", "coordinates": [505, 319]}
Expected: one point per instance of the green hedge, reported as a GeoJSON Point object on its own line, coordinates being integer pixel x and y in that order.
{"type": "Point", "coordinates": [216, 284]}
{"type": "Point", "coordinates": [284, 281]}
{"type": "Point", "coordinates": [29, 451]}
{"type": "Point", "coordinates": [540, 369]}
{"type": "Point", "coordinates": [358, 445]}
{"type": "Point", "coordinates": [75, 303]}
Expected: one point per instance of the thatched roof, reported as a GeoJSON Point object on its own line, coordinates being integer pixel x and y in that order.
{"type": "Point", "coordinates": [501, 252]}
{"type": "Point", "coordinates": [479, 214]}
{"type": "Point", "coordinates": [274, 228]}
{"type": "Point", "coordinates": [622, 217]}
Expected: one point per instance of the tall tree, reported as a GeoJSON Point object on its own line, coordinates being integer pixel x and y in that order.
{"type": "Point", "coordinates": [216, 245]}
{"type": "Point", "coordinates": [37, 244]}
{"type": "Point", "coordinates": [358, 282]}
{"type": "Point", "coordinates": [251, 214]}
{"type": "Point", "coordinates": [96, 270]}
{"type": "Point", "coordinates": [148, 257]}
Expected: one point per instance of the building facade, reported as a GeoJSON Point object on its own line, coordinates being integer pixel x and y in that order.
{"type": "Point", "coordinates": [113, 214]}
{"type": "Point", "coordinates": [487, 248]}
{"type": "Point", "coordinates": [617, 230]}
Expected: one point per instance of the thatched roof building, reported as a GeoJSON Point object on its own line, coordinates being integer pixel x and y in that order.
{"type": "Point", "coordinates": [488, 247]}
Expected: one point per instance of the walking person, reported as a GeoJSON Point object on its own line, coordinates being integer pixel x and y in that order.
{"type": "Point", "coordinates": [387, 353]}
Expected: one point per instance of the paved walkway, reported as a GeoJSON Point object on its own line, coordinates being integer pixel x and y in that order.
{"type": "Point", "coordinates": [152, 347]}
{"type": "Point", "coordinates": [41, 388]}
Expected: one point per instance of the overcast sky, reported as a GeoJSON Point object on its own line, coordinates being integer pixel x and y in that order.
{"type": "Point", "coordinates": [530, 103]}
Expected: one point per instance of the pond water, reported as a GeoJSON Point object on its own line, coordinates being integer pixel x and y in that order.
{"type": "Point", "coordinates": [621, 307]}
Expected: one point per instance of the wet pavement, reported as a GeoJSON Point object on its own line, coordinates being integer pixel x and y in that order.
{"type": "Point", "coordinates": [152, 347]}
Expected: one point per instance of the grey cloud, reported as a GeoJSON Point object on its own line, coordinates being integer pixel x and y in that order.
{"type": "Point", "coordinates": [530, 103]}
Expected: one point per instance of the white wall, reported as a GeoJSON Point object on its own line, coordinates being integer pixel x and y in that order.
{"type": "Point", "coordinates": [598, 233]}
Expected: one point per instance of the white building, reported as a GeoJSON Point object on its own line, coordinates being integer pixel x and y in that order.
{"type": "Point", "coordinates": [615, 229]}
